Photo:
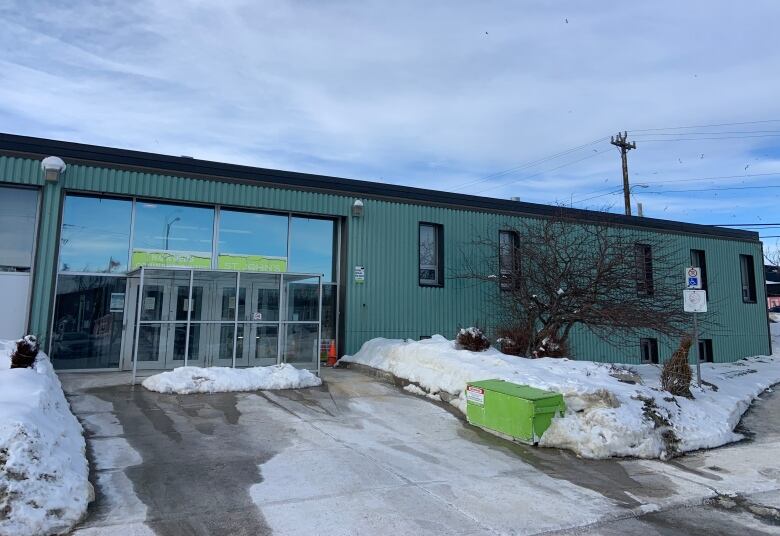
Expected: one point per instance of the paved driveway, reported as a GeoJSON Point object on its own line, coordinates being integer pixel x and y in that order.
{"type": "Point", "coordinates": [359, 456]}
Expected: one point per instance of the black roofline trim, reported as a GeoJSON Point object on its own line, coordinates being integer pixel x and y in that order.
{"type": "Point", "coordinates": [179, 165]}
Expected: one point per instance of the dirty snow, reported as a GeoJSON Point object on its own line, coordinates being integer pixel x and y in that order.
{"type": "Point", "coordinates": [604, 417]}
{"type": "Point", "coordinates": [44, 486]}
{"type": "Point", "coordinates": [188, 380]}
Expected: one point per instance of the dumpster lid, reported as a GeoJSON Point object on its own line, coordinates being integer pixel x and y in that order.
{"type": "Point", "coordinates": [513, 389]}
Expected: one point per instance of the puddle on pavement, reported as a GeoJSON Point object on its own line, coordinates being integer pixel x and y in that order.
{"type": "Point", "coordinates": [198, 467]}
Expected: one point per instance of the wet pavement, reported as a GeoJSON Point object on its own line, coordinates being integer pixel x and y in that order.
{"type": "Point", "coordinates": [359, 456]}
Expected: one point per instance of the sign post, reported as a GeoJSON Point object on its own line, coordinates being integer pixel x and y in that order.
{"type": "Point", "coordinates": [695, 301]}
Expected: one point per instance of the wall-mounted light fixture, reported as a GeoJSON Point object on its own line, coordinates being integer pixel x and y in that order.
{"type": "Point", "coordinates": [52, 167]}
{"type": "Point", "coordinates": [357, 208]}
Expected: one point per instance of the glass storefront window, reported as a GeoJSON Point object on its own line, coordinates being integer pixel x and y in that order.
{"type": "Point", "coordinates": [172, 235]}
{"type": "Point", "coordinates": [87, 331]}
{"type": "Point", "coordinates": [311, 247]}
{"type": "Point", "coordinates": [252, 242]}
{"type": "Point", "coordinates": [18, 207]}
{"type": "Point", "coordinates": [95, 235]}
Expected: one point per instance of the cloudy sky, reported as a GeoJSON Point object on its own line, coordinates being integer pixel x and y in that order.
{"type": "Point", "coordinates": [491, 98]}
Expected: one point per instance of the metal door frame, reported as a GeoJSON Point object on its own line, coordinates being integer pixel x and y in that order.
{"type": "Point", "coordinates": [145, 276]}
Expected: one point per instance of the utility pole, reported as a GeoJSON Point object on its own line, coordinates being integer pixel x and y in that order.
{"type": "Point", "coordinates": [620, 141]}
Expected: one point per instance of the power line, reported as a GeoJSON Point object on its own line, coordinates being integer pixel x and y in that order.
{"type": "Point", "coordinates": [613, 192]}
{"type": "Point", "coordinates": [545, 171]}
{"type": "Point", "coordinates": [717, 138]}
{"type": "Point", "coordinates": [707, 126]}
{"type": "Point", "coordinates": [709, 133]}
{"type": "Point", "coordinates": [716, 189]}
{"type": "Point", "coordinates": [746, 224]}
{"type": "Point", "coordinates": [695, 179]}
{"type": "Point", "coordinates": [531, 163]}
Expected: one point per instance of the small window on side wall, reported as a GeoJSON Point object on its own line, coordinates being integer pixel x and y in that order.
{"type": "Point", "coordinates": [644, 269]}
{"type": "Point", "coordinates": [649, 350]}
{"type": "Point", "coordinates": [698, 259]}
{"type": "Point", "coordinates": [431, 255]}
{"type": "Point", "coordinates": [507, 259]}
{"type": "Point", "coordinates": [748, 276]}
{"type": "Point", "coordinates": [705, 351]}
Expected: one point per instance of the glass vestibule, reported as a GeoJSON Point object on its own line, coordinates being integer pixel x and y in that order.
{"type": "Point", "coordinates": [103, 238]}
{"type": "Point", "coordinates": [180, 317]}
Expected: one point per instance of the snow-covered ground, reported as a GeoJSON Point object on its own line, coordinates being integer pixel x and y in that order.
{"type": "Point", "coordinates": [604, 416]}
{"type": "Point", "coordinates": [44, 486]}
{"type": "Point", "coordinates": [188, 380]}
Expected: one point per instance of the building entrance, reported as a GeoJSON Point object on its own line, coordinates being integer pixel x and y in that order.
{"type": "Point", "coordinates": [179, 317]}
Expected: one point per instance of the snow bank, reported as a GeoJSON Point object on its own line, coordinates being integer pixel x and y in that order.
{"type": "Point", "coordinates": [44, 486]}
{"type": "Point", "coordinates": [188, 380]}
{"type": "Point", "coordinates": [604, 416]}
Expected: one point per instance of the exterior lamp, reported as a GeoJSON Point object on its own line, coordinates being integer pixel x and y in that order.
{"type": "Point", "coordinates": [357, 208]}
{"type": "Point", "coordinates": [52, 167]}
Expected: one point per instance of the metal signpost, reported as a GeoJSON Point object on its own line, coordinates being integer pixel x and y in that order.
{"type": "Point", "coordinates": [695, 301]}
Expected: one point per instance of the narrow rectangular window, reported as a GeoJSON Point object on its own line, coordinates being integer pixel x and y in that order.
{"type": "Point", "coordinates": [705, 351]}
{"type": "Point", "coordinates": [748, 276]}
{"type": "Point", "coordinates": [699, 260]}
{"type": "Point", "coordinates": [644, 269]}
{"type": "Point", "coordinates": [649, 350]}
{"type": "Point", "coordinates": [431, 255]}
{"type": "Point", "coordinates": [507, 259]}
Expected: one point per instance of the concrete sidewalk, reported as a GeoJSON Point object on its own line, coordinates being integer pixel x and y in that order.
{"type": "Point", "coordinates": [358, 456]}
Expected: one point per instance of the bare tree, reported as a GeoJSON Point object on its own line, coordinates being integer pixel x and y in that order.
{"type": "Point", "coordinates": [772, 256]}
{"type": "Point", "coordinates": [550, 275]}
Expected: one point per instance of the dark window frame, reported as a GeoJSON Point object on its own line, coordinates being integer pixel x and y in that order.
{"type": "Point", "coordinates": [508, 283]}
{"type": "Point", "coordinates": [648, 346]}
{"type": "Point", "coordinates": [699, 259]}
{"type": "Point", "coordinates": [747, 276]}
{"type": "Point", "coordinates": [645, 285]}
{"type": "Point", "coordinates": [705, 354]}
{"type": "Point", "coordinates": [439, 245]}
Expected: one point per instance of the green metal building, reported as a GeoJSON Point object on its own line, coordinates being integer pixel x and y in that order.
{"type": "Point", "coordinates": [250, 266]}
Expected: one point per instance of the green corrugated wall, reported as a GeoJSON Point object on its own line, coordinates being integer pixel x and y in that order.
{"type": "Point", "coordinates": [391, 303]}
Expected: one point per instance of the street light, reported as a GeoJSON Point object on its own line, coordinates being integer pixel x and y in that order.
{"type": "Point", "coordinates": [168, 230]}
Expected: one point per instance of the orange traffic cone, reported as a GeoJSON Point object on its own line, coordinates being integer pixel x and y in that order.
{"type": "Point", "coordinates": [332, 358]}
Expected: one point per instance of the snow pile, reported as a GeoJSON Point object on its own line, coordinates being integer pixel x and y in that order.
{"type": "Point", "coordinates": [44, 486]}
{"type": "Point", "coordinates": [188, 380]}
{"type": "Point", "coordinates": [604, 416]}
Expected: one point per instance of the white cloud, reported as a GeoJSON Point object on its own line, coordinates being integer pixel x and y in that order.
{"type": "Point", "coordinates": [430, 95]}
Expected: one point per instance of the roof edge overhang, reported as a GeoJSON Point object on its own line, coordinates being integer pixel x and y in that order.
{"type": "Point", "coordinates": [80, 153]}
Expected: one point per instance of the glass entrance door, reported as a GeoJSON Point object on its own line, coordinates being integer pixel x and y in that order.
{"type": "Point", "coordinates": [302, 297]}
{"type": "Point", "coordinates": [220, 318]}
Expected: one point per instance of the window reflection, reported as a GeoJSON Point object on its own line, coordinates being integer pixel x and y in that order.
{"type": "Point", "coordinates": [172, 235]}
{"type": "Point", "coordinates": [87, 331]}
{"type": "Point", "coordinates": [95, 235]}
{"type": "Point", "coordinates": [17, 228]}
{"type": "Point", "coordinates": [311, 247]}
{"type": "Point", "coordinates": [251, 242]}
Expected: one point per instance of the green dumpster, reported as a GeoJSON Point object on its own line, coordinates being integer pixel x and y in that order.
{"type": "Point", "coordinates": [517, 412]}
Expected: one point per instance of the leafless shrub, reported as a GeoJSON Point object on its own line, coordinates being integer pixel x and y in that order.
{"type": "Point", "coordinates": [676, 373]}
{"type": "Point", "coordinates": [472, 339]}
{"type": "Point", "coordinates": [25, 353]}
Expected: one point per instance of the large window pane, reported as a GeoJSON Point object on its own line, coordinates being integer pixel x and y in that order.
{"type": "Point", "coordinates": [88, 316]}
{"type": "Point", "coordinates": [172, 235]}
{"type": "Point", "coordinates": [311, 247]}
{"type": "Point", "coordinates": [17, 228]}
{"type": "Point", "coordinates": [251, 242]}
{"type": "Point", "coordinates": [301, 344]}
{"type": "Point", "coordinates": [95, 235]}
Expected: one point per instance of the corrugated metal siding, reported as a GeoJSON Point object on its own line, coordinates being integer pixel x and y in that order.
{"type": "Point", "coordinates": [391, 303]}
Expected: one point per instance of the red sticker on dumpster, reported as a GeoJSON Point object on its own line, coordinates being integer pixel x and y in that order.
{"type": "Point", "coordinates": [475, 395]}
